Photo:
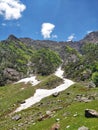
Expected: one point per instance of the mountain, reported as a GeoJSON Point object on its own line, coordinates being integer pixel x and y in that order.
{"type": "Point", "coordinates": [20, 57]}
{"type": "Point", "coordinates": [18, 60]}
{"type": "Point", "coordinates": [38, 60]}
{"type": "Point", "coordinates": [89, 38]}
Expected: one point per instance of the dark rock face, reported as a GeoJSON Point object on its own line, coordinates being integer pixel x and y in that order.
{"type": "Point", "coordinates": [89, 113]}
{"type": "Point", "coordinates": [12, 38]}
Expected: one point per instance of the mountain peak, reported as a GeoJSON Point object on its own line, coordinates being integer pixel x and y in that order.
{"type": "Point", "coordinates": [12, 38]}
{"type": "Point", "coordinates": [91, 37]}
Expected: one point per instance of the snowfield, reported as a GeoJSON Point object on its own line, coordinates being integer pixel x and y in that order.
{"type": "Point", "coordinates": [42, 93]}
{"type": "Point", "coordinates": [31, 80]}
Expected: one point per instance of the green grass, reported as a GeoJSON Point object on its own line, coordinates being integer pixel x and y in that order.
{"type": "Point", "coordinates": [13, 94]}
{"type": "Point", "coordinates": [49, 82]}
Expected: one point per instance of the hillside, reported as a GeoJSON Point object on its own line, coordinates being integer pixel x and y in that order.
{"type": "Point", "coordinates": [17, 60]}
{"type": "Point", "coordinates": [48, 83]}
{"type": "Point", "coordinates": [21, 57]}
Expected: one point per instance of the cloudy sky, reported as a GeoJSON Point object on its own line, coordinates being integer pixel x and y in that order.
{"type": "Point", "coordinates": [60, 20]}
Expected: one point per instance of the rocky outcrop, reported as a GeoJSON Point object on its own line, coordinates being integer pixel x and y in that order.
{"type": "Point", "coordinates": [11, 74]}
{"type": "Point", "coordinates": [90, 113]}
{"type": "Point", "coordinates": [91, 38]}
{"type": "Point", "coordinates": [84, 98]}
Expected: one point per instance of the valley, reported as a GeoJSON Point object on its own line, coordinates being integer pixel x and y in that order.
{"type": "Point", "coordinates": [43, 83]}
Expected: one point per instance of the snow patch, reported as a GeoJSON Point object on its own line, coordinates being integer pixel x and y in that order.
{"type": "Point", "coordinates": [42, 93]}
{"type": "Point", "coordinates": [59, 72]}
{"type": "Point", "coordinates": [31, 80]}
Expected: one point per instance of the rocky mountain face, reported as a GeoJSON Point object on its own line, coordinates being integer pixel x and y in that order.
{"type": "Point", "coordinates": [21, 56]}
{"type": "Point", "coordinates": [57, 46]}
{"type": "Point", "coordinates": [91, 38]}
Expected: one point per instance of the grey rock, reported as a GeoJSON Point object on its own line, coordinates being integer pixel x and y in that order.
{"type": "Point", "coordinates": [90, 113]}
{"type": "Point", "coordinates": [55, 126]}
{"type": "Point", "coordinates": [16, 117]}
{"type": "Point", "coordinates": [48, 113]}
{"type": "Point", "coordinates": [91, 85]}
{"type": "Point", "coordinates": [55, 94]}
{"type": "Point", "coordinates": [82, 98]}
{"type": "Point", "coordinates": [83, 128]}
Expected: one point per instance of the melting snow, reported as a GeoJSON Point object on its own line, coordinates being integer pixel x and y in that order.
{"type": "Point", "coordinates": [42, 93]}
{"type": "Point", "coordinates": [59, 72]}
{"type": "Point", "coordinates": [32, 80]}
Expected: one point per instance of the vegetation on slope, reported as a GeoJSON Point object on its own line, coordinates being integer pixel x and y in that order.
{"type": "Point", "coordinates": [17, 60]}
{"type": "Point", "coordinates": [85, 65]}
{"type": "Point", "coordinates": [46, 61]}
{"type": "Point", "coordinates": [14, 58]}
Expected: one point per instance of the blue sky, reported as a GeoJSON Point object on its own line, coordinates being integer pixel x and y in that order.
{"type": "Point", "coordinates": [60, 20]}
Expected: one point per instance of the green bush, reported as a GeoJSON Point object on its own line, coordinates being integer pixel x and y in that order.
{"type": "Point", "coordinates": [95, 78]}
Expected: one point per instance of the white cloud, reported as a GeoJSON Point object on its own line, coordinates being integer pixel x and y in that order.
{"type": "Point", "coordinates": [54, 36]}
{"type": "Point", "coordinates": [47, 29]}
{"type": "Point", "coordinates": [11, 9]}
{"type": "Point", "coordinates": [71, 37]}
{"type": "Point", "coordinates": [89, 31]}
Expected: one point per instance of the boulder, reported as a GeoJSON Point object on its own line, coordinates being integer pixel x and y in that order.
{"type": "Point", "coordinates": [91, 85]}
{"type": "Point", "coordinates": [48, 113]}
{"type": "Point", "coordinates": [55, 94]}
{"type": "Point", "coordinates": [55, 126]}
{"type": "Point", "coordinates": [22, 102]}
{"type": "Point", "coordinates": [16, 117]}
{"type": "Point", "coordinates": [83, 128]}
{"type": "Point", "coordinates": [90, 113]}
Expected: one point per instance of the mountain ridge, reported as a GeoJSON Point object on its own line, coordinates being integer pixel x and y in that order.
{"type": "Point", "coordinates": [21, 57]}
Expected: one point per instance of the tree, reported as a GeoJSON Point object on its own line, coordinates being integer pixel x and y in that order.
{"type": "Point", "coordinates": [45, 61]}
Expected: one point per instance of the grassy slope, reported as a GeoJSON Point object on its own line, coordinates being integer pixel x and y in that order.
{"type": "Point", "coordinates": [13, 94]}
{"type": "Point", "coordinates": [70, 107]}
